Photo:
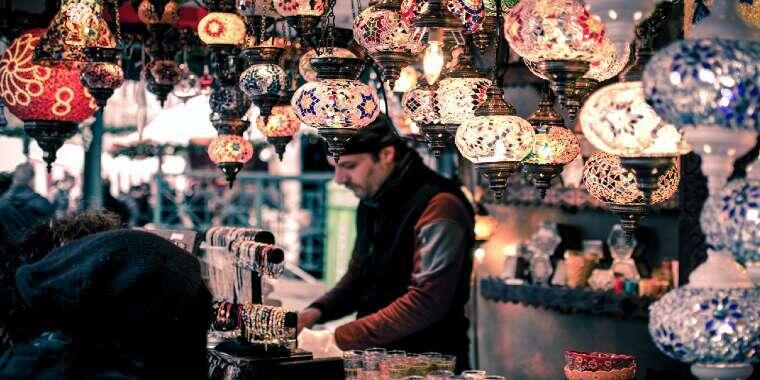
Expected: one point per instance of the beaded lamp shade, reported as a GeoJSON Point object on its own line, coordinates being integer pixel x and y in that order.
{"type": "Point", "coordinates": [540, 30]}
{"type": "Point", "coordinates": [34, 92]}
{"type": "Point", "coordinates": [221, 28]}
{"type": "Point", "coordinates": [617, 120]}
{"type": "Point", "coordinates": [458, 98]}
{"type": "Point", "coordinates": [79, 24]}
{"type": "Point", "coordinates": [495, 138]}
{"type": "Point", "coordinates": [382, 30]}
{"type": "Point", "coordinates": [283, 122]}
{"type": "Point", "coordinates": [557, 146]}
{"type": "Point", "coordinates": [230, 148]}
{"type": "Point", "coordinates": [333, 103]}
{"type": "Point", "coordinates": [289, 8]}
{"type": "Point", "coordinates": [263, 79]}
{"type": "Point", "coordinates": [149, 15]}
{"type": "Point", "coordinates": [706, 82]}
{"type": "Point", "coordinates": [607, 180]}
{"type": "Point", "coordinates": [304, 64]}
{"type": "Point", "coordinates": [731, 220]}
{"type": "Point", "coordinates": [102, 77]}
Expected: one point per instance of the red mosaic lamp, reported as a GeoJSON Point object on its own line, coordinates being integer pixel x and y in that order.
{"type": "Point", "coordinates": [229, 153]}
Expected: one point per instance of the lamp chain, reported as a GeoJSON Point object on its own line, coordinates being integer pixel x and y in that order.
{"type": "Point", "coordinates": [327, 40]}
{"type": "Point", "coordinates": [498, 76]}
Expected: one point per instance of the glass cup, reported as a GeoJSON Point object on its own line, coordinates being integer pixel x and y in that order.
{"type": "Point", "coordinates": [353, 364]}
{"type": "Point", "coordinates": [494, 377]}
{"type": "Point", "coordinates": [390, 358]}
{"type": "Point", "coordinates": [474, 374]}
{"type": "Point", "coordinates": [398, 370]}
{"type": "Point", "coordinates": [439, 375]}
{"type": "Point", "coordinates": [447, 362]}
{"type": "Point", "coordinates": [372, 358]}
{"type": "Point", "coordinates": [431, 359]}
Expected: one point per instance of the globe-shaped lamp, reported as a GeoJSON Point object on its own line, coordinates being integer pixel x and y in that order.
{"type": "Point", "coordinates": [280, 127]}
{"type": "Point", "coordinates": [229, 153]}
{"type": "Point", "coordinates": [420, 105]}
{"type": "Point", "coordinates": [221, 28]}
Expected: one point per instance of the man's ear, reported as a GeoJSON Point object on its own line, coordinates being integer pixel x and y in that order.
{"type": "Point", "coordinates": [387, 154]}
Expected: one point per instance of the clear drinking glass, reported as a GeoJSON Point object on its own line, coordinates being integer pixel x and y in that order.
{"type": "Point", "coordinates": [353, 364]}
{"type": "Point", "coordinates": [439, 374]}
{"type": "Point", "coordinates": [474, 374]}
{"type": "Point", "coordinates": [372, 359]}
{"type": "Point", "coordinates": [390, 358]}
{"type": "Point", "coordinates": [447, 362]}
{"type": "Point", "coordinates": [398, 370]}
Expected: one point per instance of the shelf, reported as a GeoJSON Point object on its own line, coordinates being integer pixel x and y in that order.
{"type": "Point", "coordinates": [568, 300]}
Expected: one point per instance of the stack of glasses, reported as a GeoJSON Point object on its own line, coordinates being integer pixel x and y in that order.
{"type": "Point", "coordinates": [379, 364]}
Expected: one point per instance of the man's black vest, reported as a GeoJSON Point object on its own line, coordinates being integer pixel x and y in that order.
{"type": "Point", "coordinates": [385, 247]}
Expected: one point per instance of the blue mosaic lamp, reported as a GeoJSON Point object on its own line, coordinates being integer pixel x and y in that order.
{"type": "Point", "coordinates": [707, 86]}
{"type": "Point", "coordinates": [713, 322]}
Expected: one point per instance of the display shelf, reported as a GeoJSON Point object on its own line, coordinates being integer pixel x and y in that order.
{"type": "Point", "coordinates": [567, 300]}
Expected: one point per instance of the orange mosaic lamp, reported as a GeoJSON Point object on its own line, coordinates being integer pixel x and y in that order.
{"type": "Point", "coordinates": [229, 153]}
{"type": "Point", "coordinates": [280, 127]}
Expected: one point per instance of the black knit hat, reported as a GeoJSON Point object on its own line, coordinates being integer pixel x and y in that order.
{"type": "Point", "coordinates": [123, 288]}
{"type": "Point", "coordinates": [370, 139]}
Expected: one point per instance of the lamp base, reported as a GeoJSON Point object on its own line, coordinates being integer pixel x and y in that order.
{"type": "Point", "coordinates": [265, 104]}
{"type": "Point", "coordinates": [648, 171]}
{"type": "Point", "coordinates": [337, 67]}
{"type": "Point", "coordinates": [629, 214]}
{"type": "Point", "coordinates": [391, 64]}
{"type": "Point", "coordinates": [484, 37]}
{"type": "Point", "coordinates": [336, 139]}
{"type": "Point", "coordinates": [101, 95]}
{"type": "Point", "coordinates": [230, 170]}
{"type": "Point", "coordinates": [160, 90]}
{"type": "Point", "coordinates": [497, 174]}
{"type": "Point", "coordinates": [722, 371]}
{"type": "Point", "coordinates": [230, 126]}
{"type": "Point", "coordinates": [437, 137]}
{"type": "Point", "coordinates": [581, 90]}
{"type": "Point", "coordinates": [50, 136]}
{"type": "Point", "coordinates": [542, 175]}
{"type": "Point", "coordinates": [562, 75]}
{"type": "Point", "coordinates": [279, 143]}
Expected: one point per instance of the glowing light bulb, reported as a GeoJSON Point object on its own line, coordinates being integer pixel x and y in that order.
{"type": "Point", "coordinates": [432, 62]}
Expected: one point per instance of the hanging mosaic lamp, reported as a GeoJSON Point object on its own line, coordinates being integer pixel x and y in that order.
{"type": "Point", "coordinates": [337, 104]}
{"type": "Point", "coordinates": [301, 15]}
{"type": "Point", "coordinates": [461, 93]}
{"type": "Point", "coordinates": [420, 105]}
{"type": "Point", "coordinates": [607, 180]}
{"type": "Point", "coordinates": [707, 87]}
{"type": "Point", "coordinates": [79, 24]}
{"type": "Point", "coordinates": [221, 28]}
{"type": "Point", "coordinates": [280, 128]}
{"type": "Point", "coordinates": [713, 322]}
{"type": "Point", "coordinates": [162, 75]}
{"type": "Point", "coordinates": [554, 145]}
{"type": "Point", "coordinates": [102, 78]}
{"type": "Point", "coordinates": [560, 36]}
{"type": "Point", "coordinates": [264, 80]}
{"type": "Point", "coordinates": [381, 31]}
{"type": "Point", "coordinates": [229, 153]}
{"type": "Point", "coordinates": [50, 100]}
{"type": "Point", "coordinates": [495, 140]}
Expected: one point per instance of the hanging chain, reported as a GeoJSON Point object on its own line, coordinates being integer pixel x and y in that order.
{"type": "Point", "coordinates": [327, 39]}
{"type": "Point", "coordinates": [499, 76]}
{"type": "Point", "coordinates": [117, 21]}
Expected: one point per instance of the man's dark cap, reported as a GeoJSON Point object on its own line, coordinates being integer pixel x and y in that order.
{"type": "Point", "coordinates": [370, 139]}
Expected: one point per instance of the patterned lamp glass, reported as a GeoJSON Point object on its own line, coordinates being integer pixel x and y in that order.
{"type": "Point", "coordinates": [289, 8]}
{"type": "Point", "coordinates": [79, 24]}
{"type": "Point", "coordinates": [229, 102]}
{"type": "Point", "coordinates": [470, 12]}
{"type": "Point", "coordinates": [731, 220]}
{"type": "Point", "coordinates": [164, 71]}
{"type": "Point", "coordinates": [336, 103]}
{"type": "Point", "coordinates": [607, 180]}
{"type": "Point", "coordinates": [458, 98]}
{"type": "Point", "coordinates": [230, 148]}
{"type": "Point", "coordinates": [149, 16]}
{"type": "Point", "coordinates": [282, 122]}
{"type": "Point", "coordinates": [381, 30]}
{"type": "Point", "coordinates": [221, 28]}
{"type": "Point", "coordinates": [617, 120]}
{"type": "Point", "coordinates": [304, 64]}
{"type": "Point", "coordinates": [419, 104]}
{"type": "Point", "coordinates": [263, 79]}
{"type": "Point", "coordinates": [749, 11]}
{"type": "Point", "coordinates": [257, 8]}
{"type": "Point", "coordinates": [708, 82]}
{"type": "Point", "coordinates": [35, 92]}
{"type": "Point", "coordinates": [557, 146]}
{"type": "Point", "coordinates": [607, 66]}
{"type": "Point", "coordinates": [490, 6]}
{"type": "Point", "coordinates": [707, 325]}
{"type": "Point", "coordinates": [540, 30]}
{"type": "Point", "coordinates": [495, 138]}
{"type": "Point", "coordinates": [102, 75]}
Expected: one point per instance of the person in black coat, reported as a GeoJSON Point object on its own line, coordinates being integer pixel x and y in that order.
{"type": "Point", "coordinates": [123, 304]}
{"type": "Point", "coordinates": [20, 207]}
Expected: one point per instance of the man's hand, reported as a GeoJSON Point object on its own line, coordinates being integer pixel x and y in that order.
{"type": "Point", "coordinates": [308, 317]}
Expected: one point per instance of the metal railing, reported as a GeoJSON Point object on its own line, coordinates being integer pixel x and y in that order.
{"type": "Point", "coordinates": [257, 200]}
